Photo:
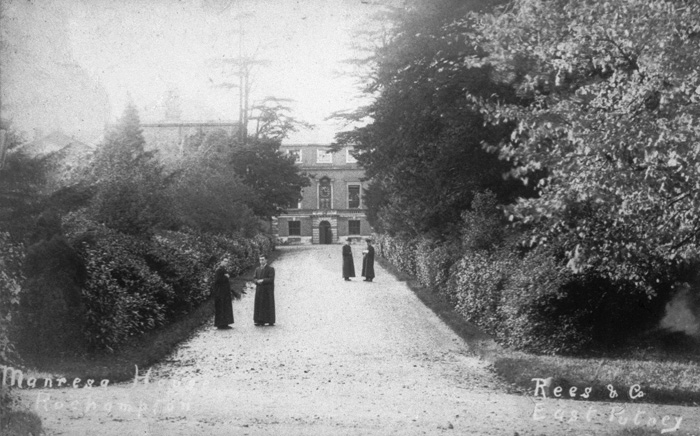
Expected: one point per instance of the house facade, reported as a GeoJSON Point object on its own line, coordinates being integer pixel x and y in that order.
{"type": "Point", "coordinates": [332, 208]}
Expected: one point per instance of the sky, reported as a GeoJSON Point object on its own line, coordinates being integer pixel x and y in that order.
{"type": "Point", "coordinates": [140, 49]}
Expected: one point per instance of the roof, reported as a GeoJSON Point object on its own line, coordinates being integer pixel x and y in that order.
{"type": "Point", "coordinates": [191, 124]}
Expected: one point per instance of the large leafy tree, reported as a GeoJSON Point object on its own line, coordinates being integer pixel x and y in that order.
{"type": "Point", "coordinates": [423, 149]}
{"type": "Point", "coordinates": [272, 175]}
{"type": "Point", "coordinates": [609, 99]}
{"type": "Point", "coordinates": [269, 178]}
{"type": "Point", "coordinates": [209, 196]}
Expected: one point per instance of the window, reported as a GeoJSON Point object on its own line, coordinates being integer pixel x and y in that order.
{"type": "Point", "coordinates": [324, 193]}
{"type": "Point", "coordinates": [353, 196]}
{"type": "Point", "coordinates": [349, 158]}
{"type": "Point", "coordinates": [295, 228]}
{"type": "Point", "coordinates": [354, 227]}
{"type": "Point", "coordinates": [322, 156]}
{"type": "Point", "coordinates": [296, 154]}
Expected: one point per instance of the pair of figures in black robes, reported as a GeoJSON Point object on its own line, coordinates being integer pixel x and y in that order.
{"type": "Point", "coordinates": [264, 311]}
{"type": "Point", "coordinates": [367, 262]}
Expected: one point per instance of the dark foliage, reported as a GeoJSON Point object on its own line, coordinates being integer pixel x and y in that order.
{"type": "Point", "coordinates": [272, 176]}
{"type": "Point", "coordinates": [131, 194]}
{"type": "Point", "coordinates": [423, 151]}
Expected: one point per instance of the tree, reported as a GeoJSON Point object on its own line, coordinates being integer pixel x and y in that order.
{"type": "Point", "coordinates": [422, 149]}
{"type": "Point", "coordinates": [273, 176]}
{"type": "Point", "coordinates": [608, 104]}
{"type": "Point", "coordinates": [271, 179]}
{"type": "Point", "coordinates": [274, 120]}
{"type": "Point", "coordinates": [131, 188]}
{"type": "Point", "coordinates": [209, 196]}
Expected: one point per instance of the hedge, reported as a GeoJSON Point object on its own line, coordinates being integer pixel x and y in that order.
{"type": "Point", "coordinates": [528, 301]}
{"type": "Point", "coordinates": [115, 286]}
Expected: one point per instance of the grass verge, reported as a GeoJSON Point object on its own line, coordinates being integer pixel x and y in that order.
{"type": "Point", "coordinates": [663, 373]}
{"type": "Point", "coordinates": [143, 351]}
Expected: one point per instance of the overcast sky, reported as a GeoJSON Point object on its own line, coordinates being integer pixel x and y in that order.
{"type": "Point", "coordinates": [142, 48]}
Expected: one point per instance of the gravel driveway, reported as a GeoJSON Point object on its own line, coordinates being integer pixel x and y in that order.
{"type": "Point", "coordinates": [345, 358]}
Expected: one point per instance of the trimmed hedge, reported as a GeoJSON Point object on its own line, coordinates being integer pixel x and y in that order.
{"type": "Point", "coordinates": [528, 301]}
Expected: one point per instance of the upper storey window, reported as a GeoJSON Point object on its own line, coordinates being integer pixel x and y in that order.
{"type": "Point", "coordinates": [353, 196]}
{"type": "Point", "coordinates": [322, 156]}
{"type": "Point", "coordinates": [349, 158]}
{"type": "Point", "coordinates": [296, 154]}
{"type": "Point", "coordinates": [324, 193]}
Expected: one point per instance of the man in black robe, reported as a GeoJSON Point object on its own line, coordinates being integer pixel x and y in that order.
{"type": "Point", "coordinates": [348, 263]}
{"type": "Point", "coordinates": [264, 312]}
{"type": "Point", "coordinates": [368, 262]}
{"type": "Point", "coordinates": [223, 310]}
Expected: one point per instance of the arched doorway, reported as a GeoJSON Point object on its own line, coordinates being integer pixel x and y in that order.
{"type": "Point", "coordinates": [325, 234]}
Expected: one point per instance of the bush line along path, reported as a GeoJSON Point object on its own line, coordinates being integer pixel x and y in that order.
{"type": "Point", "coordinates": [345, 358]}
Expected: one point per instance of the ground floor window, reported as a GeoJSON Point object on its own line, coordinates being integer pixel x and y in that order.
{"type": "Point", "coordinates": [294, 228]}
{"type": "Point", "coordinates": [354, 227]}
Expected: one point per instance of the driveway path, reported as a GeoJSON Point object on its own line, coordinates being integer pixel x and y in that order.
{"type": "Point", "coordinates": [345, 358]}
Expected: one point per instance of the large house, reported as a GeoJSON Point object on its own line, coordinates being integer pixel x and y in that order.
{"type": "Point", "coordinates": [332, 208]}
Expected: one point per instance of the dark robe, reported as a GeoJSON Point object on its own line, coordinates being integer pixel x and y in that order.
{"type": "Point", "coordinates": [348, 263]}
{"type": "Point", "coordinates": [368, 264]}
{"type": "Point", "coordinates": [264, 312]}
{"type": "Point", "coordinates": [223, 310]}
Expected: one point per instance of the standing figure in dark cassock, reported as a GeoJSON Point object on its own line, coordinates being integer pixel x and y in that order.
{"type": "Point", "coordinates": [221, 289]}
{"type": "Point", "coordinates": [264, 312]}
{"type": "Point", "coordinates": [348, 263]}
{"type": "Point", "coordinates": [368, 262]}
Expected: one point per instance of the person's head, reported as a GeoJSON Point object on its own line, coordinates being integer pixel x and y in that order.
{"type": "Point", "coordinates": [369, 242]}
{"type": "Point", "coordinates": [347, 241]}
{"type": "Point", "coordinates": [224, 262]}
{"type": "Point", "coordinates": [263, 260]}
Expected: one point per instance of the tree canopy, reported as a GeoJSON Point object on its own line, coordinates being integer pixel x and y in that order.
{"type": "Point", "coordinates": [272, 175]}
{"type": "Point", "coordinates": [607, 104]}
{"type": "Point", "coordinates": [271, 179]}
{"type": "Point", "coordinates": [422, 149]}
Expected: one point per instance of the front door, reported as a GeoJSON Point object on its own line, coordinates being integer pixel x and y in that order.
{"type": "Point", "coordinates": [325, 234]}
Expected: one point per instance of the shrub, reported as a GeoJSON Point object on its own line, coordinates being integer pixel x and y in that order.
{"type": "Point", "coordinates": [482, 226]}
{"type": "Point", "coordinates": [433, 263]}
{"type": "Point", "coordinates": [123, 297]}
{"type": "Point", "coordinates": [401, 253]}
{"type": "Point", "coordinates": [536, 314]}
{"type": "Point", "coordinates": [476, 284]}
{"type": "Point", "coordinates": [184, 271]}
